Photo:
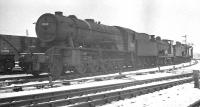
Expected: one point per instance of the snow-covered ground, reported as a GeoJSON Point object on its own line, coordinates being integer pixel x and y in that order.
{"type": "Point", "coordinates": [18, 75]}
{"type": "Point", "coordinates": [177, 96]}
{"type": "Point", "coordinates": [106, 82]}
{"type": "Point", "coordinates": [138, 86]}
{"type": "Point", "coordinates": [131, 76]}
{"type": "Point", "coordinates": [90, 84]}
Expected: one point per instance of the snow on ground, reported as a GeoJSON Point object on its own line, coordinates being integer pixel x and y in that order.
{"type": "Point", "coordinates": [18, 75]}
{"type": "Point", "coordinates": [92, 84]}
{"type": "Point", "coordinates": [194, 67]}
{"type": "Point", "coordinates": [15, 75]}
{"type": "Point", "coordinates": [142, 70]}
{"type": "Point", "coordinates": [138, 86]}
{"type": "Point", "coordinates": [188, 69]}
{"type": "Point", "coordinates": [149, 76]}
{"type": "Point", "coordinates": [177, 96]}
{"type": "Point", "coordinates": [84, 85]}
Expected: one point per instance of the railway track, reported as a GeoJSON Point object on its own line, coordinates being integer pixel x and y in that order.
{"type": "Point", "coordinates": [76, 95]}
{"type": "Point", "coordinates": [46, 84]}
{"type": "Point", "coordinates": [195, 104]}
{"type": "Point", "coordinates": [92, 101]}
{"type": "Point", "coordinates": [25, 79]}
{"type": "Point", "coordinates": [19, 86]}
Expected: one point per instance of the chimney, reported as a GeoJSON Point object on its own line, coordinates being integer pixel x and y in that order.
{"type": "Point", "coordinates": [59, 13]}
{"type": "Point", "coordinates": [152, 37]}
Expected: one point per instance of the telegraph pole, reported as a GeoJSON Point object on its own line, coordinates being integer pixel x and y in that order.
{"type": "Point", "coordinates": [185, 38]}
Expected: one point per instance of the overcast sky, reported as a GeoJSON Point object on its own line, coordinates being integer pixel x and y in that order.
{"type": "Point", "coordinates": [170, 19]}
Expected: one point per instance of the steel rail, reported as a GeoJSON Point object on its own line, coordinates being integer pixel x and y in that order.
{"type": "Point", "coordinates": [195, 104]}
{"type": "Point", "coordinates": [102, 99]}
{"type": "Point", "coordinates": [46, 97]}
{"type": "Point", "coordinates": [26, 79]}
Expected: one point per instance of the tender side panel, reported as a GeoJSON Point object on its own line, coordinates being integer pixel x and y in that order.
{"type": "Point", "coordinates": [146, 48]}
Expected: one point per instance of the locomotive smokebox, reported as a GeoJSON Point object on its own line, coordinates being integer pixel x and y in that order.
{"type": "Point", "coordinates": [46, 27]}
{"type": "Point", "coordinates": [54, 27]}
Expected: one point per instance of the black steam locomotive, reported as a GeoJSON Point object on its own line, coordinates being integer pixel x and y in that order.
{"type": "Point", "coordinates": [85, 47]}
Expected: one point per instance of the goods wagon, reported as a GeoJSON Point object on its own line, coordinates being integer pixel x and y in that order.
{"type": "Point", "coordinates": [10, 49]}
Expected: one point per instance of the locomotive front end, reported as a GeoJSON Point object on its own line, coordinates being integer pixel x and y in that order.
{"type": "Point", "coordinates": [54, 28]}
{"type": "Point", "coordinates": [46, 27]}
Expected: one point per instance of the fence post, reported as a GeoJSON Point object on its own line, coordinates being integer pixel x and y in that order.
{"type": "Point", "coordinates": [158, 68]}
{"type": "Point", "coordinates": [174, 68]}
{"type": "Point", "coordinates": [196, 78]}
{"type": "Point", "coordinates": [50, 80]}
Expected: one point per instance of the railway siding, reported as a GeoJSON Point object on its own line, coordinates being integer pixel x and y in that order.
{"type": "Point", "coordinates": [39, 98]}
{"type": "Point", "coordinates": [21, 80]}
{"type": "Point", "coordinates": [100, 99]}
